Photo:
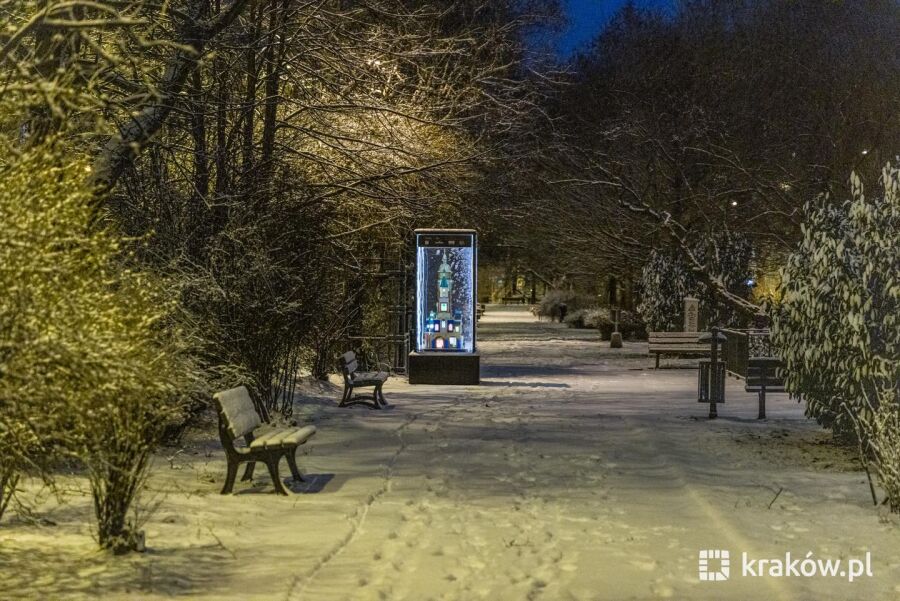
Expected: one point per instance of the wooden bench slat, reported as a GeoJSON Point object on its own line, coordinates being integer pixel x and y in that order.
{"type": "Point", "coordinates": [691, 335]}
{"type": "Point", "coordinates": [700, 348]}
{"type": "Point", "coordinates": [286, 437]}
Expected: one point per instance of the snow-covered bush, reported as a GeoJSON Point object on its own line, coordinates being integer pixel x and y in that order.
{"type": "Point", "coordinates": [630, 324]}
{"type": "Point", "coordinates": [575, 319]}
{"type": "Point", "coordinates": [587, 318]}
{"type": "Point", "coordinates": [551, 303]}
{"type": "Point", "coordinates": [596, 317]}
{"type": "Point", "coordinates": [92, 364]}
{"type": "Point", "coordinates": [882, 444]}
{"type": "Point", "coordinates": [667, 278]}
{"type": "Point", "coordinates": [837, 326]}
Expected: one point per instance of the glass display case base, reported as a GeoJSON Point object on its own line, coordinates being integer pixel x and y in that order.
{"type": "Point", "coordinates": [454, 369]}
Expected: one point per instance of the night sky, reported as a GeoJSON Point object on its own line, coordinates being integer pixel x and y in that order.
{"type": "Point", "coordinates": [586, 17]}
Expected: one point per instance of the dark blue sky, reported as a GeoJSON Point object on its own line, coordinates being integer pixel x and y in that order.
{"type": "Point", "coordinates": [586, 17]}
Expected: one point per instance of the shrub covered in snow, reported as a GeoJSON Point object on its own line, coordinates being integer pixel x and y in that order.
{"type": "Point", "coordinates": [551, 303]}
{"type": "Point", "coordinates": [92, 363]}
{"type": "Point", "coordinates": [588, 318]}
{"type": "Point", "coordinates": [838, 324]}
{"type": "Point", "coordinates": [630, 324]}
{"type": "Point", "coordinates": [576, 319]}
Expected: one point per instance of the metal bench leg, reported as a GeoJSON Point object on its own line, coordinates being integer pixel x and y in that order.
{"type": "Point", "coordinates": [382, 401]}
{"type": "Point", "coordinates": [762, 402]}
{"type": "Point", "coordinates": [292, 463]}
{"type": "Point", "coordinates": [272, 464]}
{"type": "Point", "coordinates": [369, 401]}
{"type": "Point", "coordinates": [348, 394]}
{"type": "Point", "coordinates": [376, 402]}
{"type": "Point", "coordinates": [657, 360]}
{"type": "Point", "coordinates": [762, 394]}
{"type": "Point", "coordinates": [248, 471]}
{"type": "Point", "coordinates": [229, 478]}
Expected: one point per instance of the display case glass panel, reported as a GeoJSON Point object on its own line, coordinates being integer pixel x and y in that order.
{"type": "Point", "coordinates": [445, 291]}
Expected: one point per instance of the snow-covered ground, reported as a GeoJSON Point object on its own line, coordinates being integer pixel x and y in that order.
{"type": "Point", "coordinates": [574, 472]}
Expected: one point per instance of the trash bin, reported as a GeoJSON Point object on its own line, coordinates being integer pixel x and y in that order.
{"type": "Point", "coordinates": [711, 375]}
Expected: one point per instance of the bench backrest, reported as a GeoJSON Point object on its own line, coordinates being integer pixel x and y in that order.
{"type": "Point", "coordinates": [685, 341]}
{"type": "Point", "coordinates": [771, 369]}
{"type": "Point", "coordinates": [349, 364]}
{"type": "Point", "coordinates": [237, 412]}
{"type": "Point", "coordinates": [674, 337]}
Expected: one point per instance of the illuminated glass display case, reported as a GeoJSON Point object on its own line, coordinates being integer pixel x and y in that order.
{"type": "Point", "coordinates": [446, 268]}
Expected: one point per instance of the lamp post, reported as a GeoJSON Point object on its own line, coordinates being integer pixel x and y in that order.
{"type": "Point", "coordinates": [615, 339]}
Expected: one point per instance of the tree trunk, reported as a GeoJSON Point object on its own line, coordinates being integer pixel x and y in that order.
{"type": "Point", "coordinates": [122, 149]}
{"type": "Point", "coordinates": [198, 209]}
{"type": "Point", "coordinates": [249, 104]}
{"type": "Point", "coordinates": [274, 57]}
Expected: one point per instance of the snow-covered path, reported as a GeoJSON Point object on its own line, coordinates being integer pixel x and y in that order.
{"type": "Point", "coordinates": [573, 472]}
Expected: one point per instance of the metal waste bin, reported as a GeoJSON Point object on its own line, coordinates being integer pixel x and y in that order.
{"type": "Point", "coordinates": [711, 375]}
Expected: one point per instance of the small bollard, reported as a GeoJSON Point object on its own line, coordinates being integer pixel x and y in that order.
{"type": "Point", "coordinates": [615, 339]}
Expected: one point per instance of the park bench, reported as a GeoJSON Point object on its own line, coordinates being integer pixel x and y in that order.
{"type": "Point", "coordinates": [515, 299]}
{"type": "Point", "coordinates": [239, 419]}
{"type": "Point", "coordinates": [764, 374]}
{"type": "Point", "coordinates": [353, 378]}
{"type": "Point", "coordinates": [678, 344]}
{"type": "Point", "coordinates": [748, 356]}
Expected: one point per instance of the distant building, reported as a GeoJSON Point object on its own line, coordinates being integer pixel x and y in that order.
{"type": "Point", "coordinates": [443, 328]}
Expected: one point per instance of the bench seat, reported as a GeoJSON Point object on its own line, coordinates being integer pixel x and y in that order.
{"type": "Point", "coordinates": [369, 377]}
{"type": "Point", "coordinates": [288, 437]}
